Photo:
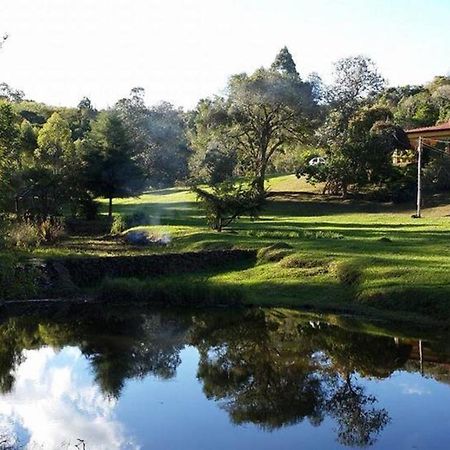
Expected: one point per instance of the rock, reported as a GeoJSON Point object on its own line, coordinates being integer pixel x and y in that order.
{"type": "Point", "coordinates": [137, 238]}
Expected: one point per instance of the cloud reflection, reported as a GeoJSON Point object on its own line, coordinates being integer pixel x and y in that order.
{"type": "Point", "coordinates": [56, 401]}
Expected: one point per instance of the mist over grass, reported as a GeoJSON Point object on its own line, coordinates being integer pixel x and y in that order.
{"type": "Point", "coordinates": [402, 263]}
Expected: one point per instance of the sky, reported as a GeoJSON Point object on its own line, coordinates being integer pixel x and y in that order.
{"type": "Point", "coordinates": [182, 50]}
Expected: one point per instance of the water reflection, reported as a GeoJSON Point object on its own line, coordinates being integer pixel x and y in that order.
{"type": "Point", "coordinates": [64, 379]}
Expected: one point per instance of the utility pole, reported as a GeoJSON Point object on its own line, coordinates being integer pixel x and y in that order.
{"type": "Point", "coordinates": [419, 176]}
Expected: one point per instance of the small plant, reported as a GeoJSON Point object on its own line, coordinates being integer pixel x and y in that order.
{"type": "Point", "coordinates": [119, 225]}
{"type": "Point", "coordinates": [51, 229]}
{"type": "Point", "coordinates": [24, 235]}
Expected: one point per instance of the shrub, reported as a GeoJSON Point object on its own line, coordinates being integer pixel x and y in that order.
{"type": "Point", "coordinates": [118, 225]}
{"type": "Point", "coordinates": [24, 235]}
{"type": "Point", "coordinates": [226, 202]}
{"type": "Point", "coordinates": [51, 229]}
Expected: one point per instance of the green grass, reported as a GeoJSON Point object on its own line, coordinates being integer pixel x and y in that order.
{"type": "Point", "coordinates": [404, 263]}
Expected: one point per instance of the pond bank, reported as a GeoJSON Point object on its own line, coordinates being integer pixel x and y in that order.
{"type": "Point", "coordinates": [224, 278]}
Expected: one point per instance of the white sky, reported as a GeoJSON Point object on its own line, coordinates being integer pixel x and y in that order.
{"type": "Point", "coordinates": [182, 50]}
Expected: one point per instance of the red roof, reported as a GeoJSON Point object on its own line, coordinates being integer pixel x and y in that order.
{"type": "Point", "coordinates": [441, 127]}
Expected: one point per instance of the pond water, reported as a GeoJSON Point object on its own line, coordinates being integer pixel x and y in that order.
{"type": "Point", "coordinates": [263, 379]}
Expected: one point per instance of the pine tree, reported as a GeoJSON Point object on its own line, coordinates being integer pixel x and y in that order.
{"type": "Point", "coordinates": [284, 63]}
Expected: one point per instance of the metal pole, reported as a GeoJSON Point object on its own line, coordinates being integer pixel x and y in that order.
{"type": "Point", "coordinates": [419, 176]}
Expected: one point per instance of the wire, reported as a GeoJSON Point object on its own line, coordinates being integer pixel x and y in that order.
{"type": "Point", "coordinates": [437, 140]}
{"type": "Point", "coordinates": [430, 147]}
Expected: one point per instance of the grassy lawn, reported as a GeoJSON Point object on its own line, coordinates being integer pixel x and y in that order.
{"type": "Point", "coordinates": [404, 262]}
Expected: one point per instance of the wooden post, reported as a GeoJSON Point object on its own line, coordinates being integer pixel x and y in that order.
{"type": "Point", "coordinates": [419, 177]}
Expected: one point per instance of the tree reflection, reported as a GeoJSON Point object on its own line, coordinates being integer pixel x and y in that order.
{"type": "Point", "coordinates": [259, 382]}
{"type": "Point", "coordinates": [118, 346]}
{"type": "Point", "coordinates": [275, 373]}
{"type": "Point", "coordinates": [262, 368]}
{"type": "Point", "coordinates": [358, 420]}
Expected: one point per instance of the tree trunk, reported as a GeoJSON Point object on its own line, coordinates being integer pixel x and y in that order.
{"type": "Point", "coordinates": [110, 207]}
{"type": "Point", "coordinates": [259, 182]}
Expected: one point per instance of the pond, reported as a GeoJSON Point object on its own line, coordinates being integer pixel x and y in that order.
{"type": "Point", "coordinates": [264, 379]}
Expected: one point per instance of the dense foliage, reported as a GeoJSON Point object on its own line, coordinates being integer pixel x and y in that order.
{"type": "Point", "coordinates": [55, 161]}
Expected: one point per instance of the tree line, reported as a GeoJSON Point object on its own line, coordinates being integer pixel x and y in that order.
{"type": "Point", "coordinates": [58, 160]}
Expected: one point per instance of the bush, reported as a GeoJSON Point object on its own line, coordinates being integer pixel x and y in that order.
{"type": "Point", "coordinates": [118, 225]}
{"type": "Point", "coordinates": [51, 229]}
{"type": "Point", "coordinates": [101, 226]}
{"type": "Point", "coordinates": [227, 202]}
{"type": "Point", "coordinates": [122, 222]}
{"type": "Point", "coordinates": [24, 235]}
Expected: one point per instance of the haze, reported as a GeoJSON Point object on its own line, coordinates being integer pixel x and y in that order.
{"type": "Point", "coordinates": [183, 50]}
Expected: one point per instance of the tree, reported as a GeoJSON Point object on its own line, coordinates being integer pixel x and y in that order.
{"type": "Point", "coordinates": [168, 152]}
{"type": "Point", "coordinates": [360, 156]}
{"type": "Point", "coordinates": [55, 145]}
{"type": "Point", "coordinates": [9, 146]}
{"type": "Point", "coordinates": [349, 136]}
{"type": "Point", "coordinates": [417, 111]}
{"type": "Point", "coordinates": [356, 80]}
{"type": "Point", "coordinates": [268, 111]}
{"type": "Point", "coordinates": [284, 63]}
{"type": "Point", "coordinates": [10, 94]}
{"type": "Point", "coordinates": [262, 114]}
{"type": "Point", "coordinates": [84, 115]}
{"type": "Point", "coordinates": [214, 158]}
{"type": "Point", "coordinates": [158, 138]}
{"type": "Point", "coordinates": [111, 170]}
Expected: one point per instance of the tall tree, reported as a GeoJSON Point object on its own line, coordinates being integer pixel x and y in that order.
{"type": "Point", "coordinates": [110, 167]}
{"type": "Point", "coordinates": [84, 115]}
{"type": "Point", "coordinates": [214, 157]}
{"type": "Point", "coordinates": [284, 63]}
{"type": "Point", "coordinates": [348, 135]}
{"type": "Point", "coordinates": [55, 145]}
{"type": "Point", "coordinates": [9, 145]}
{"type": "Point", "coordinates": [263, 114]}
{"type": "Point", "coordinates": [158, 138]}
